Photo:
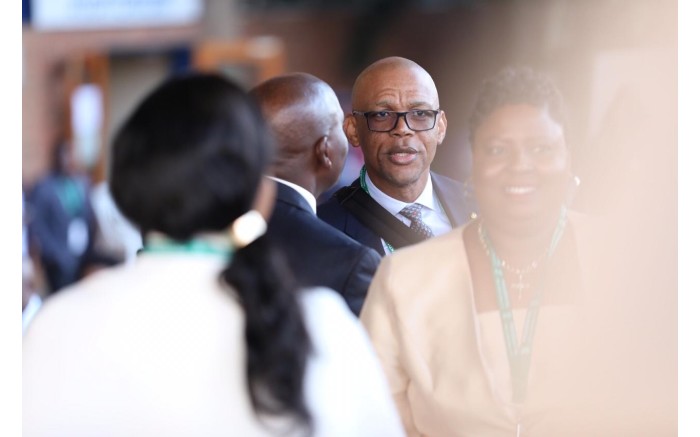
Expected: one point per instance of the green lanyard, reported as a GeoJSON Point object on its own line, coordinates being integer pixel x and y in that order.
{"type": "Point", "coordinates": [363, 184]}
{"type": "Point", "coordinates": [70, 195]}
{"type": "Point", "coordinates": [196, 245]}
{"type": "Point", "coordinates": [519, 356]}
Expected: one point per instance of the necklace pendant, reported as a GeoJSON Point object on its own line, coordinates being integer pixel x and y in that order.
{"type": "Point", "coordinates": [520, 286]}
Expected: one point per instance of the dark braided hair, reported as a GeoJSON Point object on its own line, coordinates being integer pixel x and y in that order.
{"type": "Point", "coordinates": [189, 160]}
{"type": "Point", "coordinates": [516, 85]}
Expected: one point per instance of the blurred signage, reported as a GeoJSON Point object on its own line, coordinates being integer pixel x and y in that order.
{"type": "Point", "coordinates": [103, 14]}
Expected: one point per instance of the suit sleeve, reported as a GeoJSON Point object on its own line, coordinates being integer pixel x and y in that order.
{"type": "Point", "coordinates": [359, 278]}
{"type": "Point", "coordinates": [379, 317]}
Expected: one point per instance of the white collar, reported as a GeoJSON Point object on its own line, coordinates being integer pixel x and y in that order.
{"type": "Point", "coordinates": [426, 198]}
{"type": "Point", "coordinates": [306, 194]}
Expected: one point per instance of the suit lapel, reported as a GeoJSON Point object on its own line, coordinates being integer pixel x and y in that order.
{"type": "Point", "coordinates": [452, 199]}
{"type": "Point", "coordinates": [364, 235]}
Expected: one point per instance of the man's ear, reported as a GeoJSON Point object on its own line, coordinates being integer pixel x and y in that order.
{"type": "Point", "coordinates": [322, 153]}
{"type": "Point", "coordinates": [350, 129]}
{"type": "Point", "coordinates": [442, 126]}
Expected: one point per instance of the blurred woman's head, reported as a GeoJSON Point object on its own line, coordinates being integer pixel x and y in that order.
{"type": "Point", "coordinates": [521, 165]}
{"type": "Point", "coordinates": [190, 160]}
{"type": "Point", "coordinates": [190, 157]}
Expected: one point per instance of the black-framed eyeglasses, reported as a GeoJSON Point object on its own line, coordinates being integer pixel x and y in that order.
{"type": "Point", "coordinates": [384, 121]}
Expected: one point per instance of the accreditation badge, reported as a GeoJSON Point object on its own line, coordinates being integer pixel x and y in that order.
{"type": "Point", "coordinates": [78, 236]}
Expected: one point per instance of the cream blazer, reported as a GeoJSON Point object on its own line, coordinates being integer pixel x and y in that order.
{"type": "Point", "coordinates": [156, 348]}
{"type": "Point", "coordinates": [442, 359]}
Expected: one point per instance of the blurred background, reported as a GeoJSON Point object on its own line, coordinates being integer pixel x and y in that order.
{"type": "Point", "coordinates": [86, 63]}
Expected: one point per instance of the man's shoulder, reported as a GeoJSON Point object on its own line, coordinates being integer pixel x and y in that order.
{"type": "Point", "coordinates": [41, 187]}
{"type": "Point", "coordinates": [332, 236]}
{"type": "Point", "coordinates": [332, 209]}
{"type": "Point", "coordinates": [317, 232]}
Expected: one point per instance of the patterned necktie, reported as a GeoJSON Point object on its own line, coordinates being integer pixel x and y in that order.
{"type": "Point", "coordinates": [413, 212]}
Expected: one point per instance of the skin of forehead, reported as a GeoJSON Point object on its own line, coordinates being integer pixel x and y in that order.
{"type": "Point", "coordinates": [392, 68]}
{"type": "Point", "coordinates": [519, 122]}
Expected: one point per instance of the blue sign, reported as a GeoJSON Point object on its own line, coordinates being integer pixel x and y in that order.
{"type": "Point", "coordinates": [53, 15]}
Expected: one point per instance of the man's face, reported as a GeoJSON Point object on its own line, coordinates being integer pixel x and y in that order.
{"type": "Point", "coordinates": [400, 158]}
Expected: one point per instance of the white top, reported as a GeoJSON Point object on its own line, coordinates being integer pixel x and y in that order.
{"type": "Point", "coordinates": [432, 213]}
{"type": "Point", "coordinates": [156, 348]}
{"type": "Point", "coordinates": [28, 313]}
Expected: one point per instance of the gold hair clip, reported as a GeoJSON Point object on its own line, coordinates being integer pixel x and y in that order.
{"type": "Point", "coordinates": [247, 228]}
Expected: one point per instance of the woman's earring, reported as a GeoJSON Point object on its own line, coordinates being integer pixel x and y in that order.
{"type": "Point", "coordinates": [574, 185]}
{"type": "Point", "coordinates": [468, 190]}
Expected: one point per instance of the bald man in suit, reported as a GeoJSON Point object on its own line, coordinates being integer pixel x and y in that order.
{"type": "Point", "coordinates": [398, 200]}
{"type": "Point", "coordinates": [305, 117]}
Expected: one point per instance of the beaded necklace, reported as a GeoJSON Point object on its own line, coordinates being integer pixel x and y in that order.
{"type": "Point", "coordinates": [520, 285]}
{"type": "Point", "coordinates": [519, 354]}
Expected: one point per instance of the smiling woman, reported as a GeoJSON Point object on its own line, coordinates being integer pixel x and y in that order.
{"type": "Point", "coordinates": [521, 178]}
{"type": "Point", "coordinates": [495, 328]}
{"type": "Point", "coordinates": [522, 168]}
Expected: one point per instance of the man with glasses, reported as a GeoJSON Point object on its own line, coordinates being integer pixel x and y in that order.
{"type": "Point", "coordinates": [397, 122]}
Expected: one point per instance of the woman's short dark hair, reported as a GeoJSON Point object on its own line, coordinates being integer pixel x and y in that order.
{"type": "Point", "coordinates": [517, 85]}
{"type": "Point", "coordinates": [189, 160]}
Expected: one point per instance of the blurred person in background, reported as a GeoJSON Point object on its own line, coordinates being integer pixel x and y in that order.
{"type": "Point", "coordinates": [397, 201]}
{"type": "Point", "coordinates": [31, 298]}
{"type": "Point", "coordinates": [205, 333]}
{"type": "Point", "coordinates": [63, 222]}
{"type": "Point", "coordinates": [306, 119]}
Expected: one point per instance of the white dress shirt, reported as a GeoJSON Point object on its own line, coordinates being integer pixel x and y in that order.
{"type": "Point", "coordinates": [432, 214]}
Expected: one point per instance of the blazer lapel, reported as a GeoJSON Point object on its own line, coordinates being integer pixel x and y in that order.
{"type": "Point", "coordinates": [452, 198]}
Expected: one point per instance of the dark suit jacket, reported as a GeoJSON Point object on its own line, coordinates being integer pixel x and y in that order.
{"type": "Point", "coordinates": [49, 224]}
{"type": "Point", "coordinates": [449, 192]}
{"type": "Point", "coordinates": [318, 253]}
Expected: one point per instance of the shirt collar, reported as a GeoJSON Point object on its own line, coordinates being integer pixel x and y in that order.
{"type": "Point", "coordinates": [426, 197]}
{"type": "Point", "coordinates": [306, 194]}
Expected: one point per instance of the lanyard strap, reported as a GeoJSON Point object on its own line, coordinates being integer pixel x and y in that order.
{"type": "Point", "coordinates": [363, 184]}
{"type": "Point", "coordinates": [519, 354]}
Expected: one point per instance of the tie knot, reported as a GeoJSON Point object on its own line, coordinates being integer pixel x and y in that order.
{"type": "Point", "coordinates": [412, 211]}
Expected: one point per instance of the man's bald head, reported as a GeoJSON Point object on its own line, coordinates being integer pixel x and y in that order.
{"type": "Point", "coordinates": [305, 117]}
{"type": "Point", "coordinates": [397, 160]}
{"type": "Point", "coordinates": [392, 66]}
